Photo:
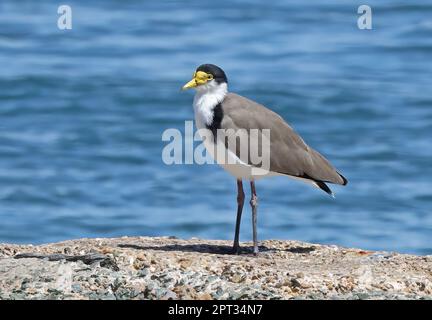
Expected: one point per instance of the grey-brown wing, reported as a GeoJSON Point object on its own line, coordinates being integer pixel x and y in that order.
{"type": "Point", "coordinates": [289, 154]}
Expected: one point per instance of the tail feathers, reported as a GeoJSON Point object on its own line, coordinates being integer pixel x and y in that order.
{"type": "Point", "coordinates": [319, 183]}
{"type": "Point", "coordinates": [324, 187]}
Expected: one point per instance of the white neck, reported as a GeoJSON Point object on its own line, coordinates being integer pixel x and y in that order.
{"type": "Point", "coordinates": [208, 96]}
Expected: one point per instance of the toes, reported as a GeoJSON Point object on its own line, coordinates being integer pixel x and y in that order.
{"type": "Point", "coordinates": [236, 250]}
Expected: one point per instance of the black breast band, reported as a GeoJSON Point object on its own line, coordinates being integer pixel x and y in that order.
{"type": "Point", "coordinates": [217, 120]}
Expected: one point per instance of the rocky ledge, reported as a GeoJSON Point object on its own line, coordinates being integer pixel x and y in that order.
{"type": "Point", "coordinates": [170, 268]}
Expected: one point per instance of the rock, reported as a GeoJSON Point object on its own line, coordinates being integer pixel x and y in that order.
{"type": "Point", "coordinates": [76, 288]}
{"type": "Point", "coordinates": [236, 278]}
{"type": "Point", "coordinates": [171, 268]}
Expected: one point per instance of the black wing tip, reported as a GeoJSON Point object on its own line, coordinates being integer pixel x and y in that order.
{"type": "Point", "coordinates": [345, 181]}
{"type": "Point", "coordinates": [324, 188]}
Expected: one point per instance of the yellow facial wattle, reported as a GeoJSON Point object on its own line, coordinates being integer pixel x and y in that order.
{"type": "Point", "coordinates": [199, 78]}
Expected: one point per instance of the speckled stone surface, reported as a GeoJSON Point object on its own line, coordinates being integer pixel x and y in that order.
{"type": "Point", "coordinates": [169, 268]}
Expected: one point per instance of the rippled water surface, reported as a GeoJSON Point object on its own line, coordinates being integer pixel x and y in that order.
{"type": "Point", "coordinates": [82, 113]}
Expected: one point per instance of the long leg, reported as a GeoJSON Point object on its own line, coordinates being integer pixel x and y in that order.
{"type": "Point", "coordinates": [254, 205]}
{"type": "Point", "coordinates": [240, 202]}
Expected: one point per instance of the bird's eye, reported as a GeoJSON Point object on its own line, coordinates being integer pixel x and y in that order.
{"type": "Point", "coordinates": [210, 77]}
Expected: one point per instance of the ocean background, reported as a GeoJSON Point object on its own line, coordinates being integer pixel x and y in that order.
{"type": "Point", "coordinates": [82, 113]}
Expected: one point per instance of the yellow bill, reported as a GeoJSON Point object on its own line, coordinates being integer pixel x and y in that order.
{"type": "Point", "coordinates": [199, 78]}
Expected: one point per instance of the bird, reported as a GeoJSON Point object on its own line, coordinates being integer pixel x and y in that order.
{"type": "Point", "coordinates": [216, 109]}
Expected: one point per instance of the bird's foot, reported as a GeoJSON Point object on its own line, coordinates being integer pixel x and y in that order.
{"type": "Point", "coordinates": [255, 251]}
{"type": "Point", "coordinates": [236, 249]}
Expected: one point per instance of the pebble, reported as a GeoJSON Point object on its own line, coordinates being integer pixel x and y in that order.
{"type": "Point", "coordinates": [281, 272]}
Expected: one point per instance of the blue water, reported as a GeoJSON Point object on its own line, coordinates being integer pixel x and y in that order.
{"type": "Point", "coordinates": [82, 113]}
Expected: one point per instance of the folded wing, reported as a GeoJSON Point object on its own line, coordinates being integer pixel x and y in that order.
{"type": "Point", "coordinates": [289, 154]}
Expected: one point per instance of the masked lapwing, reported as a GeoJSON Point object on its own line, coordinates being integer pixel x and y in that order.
{"type": "Point", "coordinates": [222, 115]}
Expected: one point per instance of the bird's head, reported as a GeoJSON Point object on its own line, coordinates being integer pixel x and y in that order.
{"type": "Point", "coordinates": [207, 77]}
